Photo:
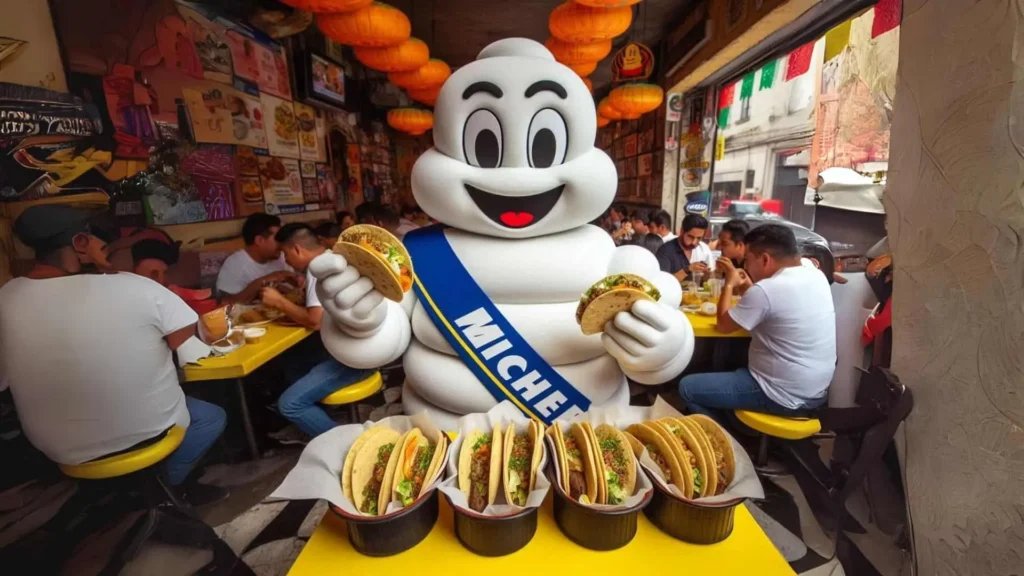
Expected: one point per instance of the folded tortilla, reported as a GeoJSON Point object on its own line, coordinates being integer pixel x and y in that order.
{"type": "Point", "coordinates": [608, 297]}
{"type": "Point", "coordinates": [379, 256]}
{"type": "Point", "coordinates": [480, 467]}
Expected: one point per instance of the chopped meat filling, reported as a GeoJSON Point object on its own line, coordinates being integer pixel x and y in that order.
{"type": "Point", "coordinates": [519, 468]}
{"type": "Point", "coordinates": [371, 492]}
{"type": "Point", "coordinates": [479, 473]}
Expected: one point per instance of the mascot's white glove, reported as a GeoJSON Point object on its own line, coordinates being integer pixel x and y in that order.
{"type": "Point", "coordinates": [652, 342]}
{"type": "Point", "coordinates": [347, 297]}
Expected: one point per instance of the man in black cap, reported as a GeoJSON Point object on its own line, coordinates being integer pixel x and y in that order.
{"type": "Point", "coordinates": [88, 357]}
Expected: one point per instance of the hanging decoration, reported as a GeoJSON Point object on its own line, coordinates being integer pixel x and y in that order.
{"type": "Point", "coordinates": [606, 110]}
{"type": "Point", "coordinates": [799, 61]}
{"type": "Point", "coordinates": [413, 121]}
{"type": "Point", "coordinates": [632, 100]}
{"type": "Point", "coordinates": [404, 57]}
{"type": "Point", "coordinates": [431, 74]}
{"type": "Point", "coordinates": [602, 121]}
{"type": "Point", "coordinates": [328, 5]}
{"type": "Point", "coordinates": [767, 76]}
{"type": "Point", "coordinates": [607, 3]}
{"type": "Point", "coordinates": [374, 26]}
{"type": "Point", "coordinates": [572, 22]}
{"type": "Point", "coordinates": [578, 53]}
{"type": "Point", "coordinates": [725, 98]}
{"type": "Point", "coordinates": [426, 96]}
{"type": "Point", "coordinates": [634, 61]}
{"type": "Point", "coordinates": [583, 70]}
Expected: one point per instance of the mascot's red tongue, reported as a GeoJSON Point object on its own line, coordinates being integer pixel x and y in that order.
{"type": "Point", "coordinates": [516, 219]}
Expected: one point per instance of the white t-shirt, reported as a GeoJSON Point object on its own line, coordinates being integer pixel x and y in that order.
{"type": "Point", "coordinates": [312, 300]}
{"type": "Point", "coordinates": [405, 226]}
{"type": "Point", "coordinates": [87, 363]}
{"type": "Point", "coordinates": [702, 253]}
{"type": "Point", "coordinates": [239, 270]}
{"type": "Point", "coordinates": [669, 237]}
{"type": "Point", "coordinates": [792, 323]}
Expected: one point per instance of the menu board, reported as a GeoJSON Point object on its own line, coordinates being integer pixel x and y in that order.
{"type": "Point", "coordinates": [282, 185]}
{"type": "Point", "coordinates": [243, 56]}
{"type": "Point", "coordinates": [310, 144]}
{"type": "Point", "coordinates": [223, 115]}
{"type": "Point", "coordinates": [283, 132]}
{"type": "Point", "coordinates": [273, 69]}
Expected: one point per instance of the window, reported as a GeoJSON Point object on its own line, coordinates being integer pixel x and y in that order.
{"type": "Point", "coordinates": [744, 110]}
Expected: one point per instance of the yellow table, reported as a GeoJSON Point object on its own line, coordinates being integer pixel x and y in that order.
{"type": "Point", "coordinates": [746, 551]}
{"type": "Point", "coordinates": [704, 327]}
{"type": "Point", "coordinates": [244, 361]}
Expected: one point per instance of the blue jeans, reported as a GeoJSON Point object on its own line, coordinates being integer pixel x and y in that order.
{"type": "Point", "coordinates": [713, 392]}
{"type": "Point", "coordinates": [206, 425]}
{"type": "Point", "coordinates": [299, 402]}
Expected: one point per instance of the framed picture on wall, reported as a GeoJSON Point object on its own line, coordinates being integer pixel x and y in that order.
{"type": "Point", "coordinates": [630, 145]}
{"type": "Point", "coordinates": [644, 165]}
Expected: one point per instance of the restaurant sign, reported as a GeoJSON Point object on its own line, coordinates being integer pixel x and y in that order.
{"type": "Point", "coordinates": [23, 116]}
{"type": "Point", "coordinates": [633, 62]}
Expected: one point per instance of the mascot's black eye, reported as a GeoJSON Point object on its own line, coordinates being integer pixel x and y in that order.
{"type": "Point", "coordinates": [547, 140]}
{"type": "Point", "coordinates": [481, 139]}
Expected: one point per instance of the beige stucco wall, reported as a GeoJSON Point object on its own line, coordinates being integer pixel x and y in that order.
{"type": "Point", "coordinates": [955, 208]}
{"type": "Point", "coordinates": [38, 63]}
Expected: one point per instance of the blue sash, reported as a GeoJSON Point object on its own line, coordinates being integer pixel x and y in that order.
{"type": "Point", "coordinates": [500, 358]}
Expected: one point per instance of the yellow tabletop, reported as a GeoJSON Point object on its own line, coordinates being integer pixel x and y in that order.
{"type": "Point", "coordinates": [249, 357]}
{"type": "Point", "coordinates": [704, 327]}
{"type": "Point", "coordinates": [746, 551]}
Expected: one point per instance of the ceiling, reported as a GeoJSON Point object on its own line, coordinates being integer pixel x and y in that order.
{"type": "Point", "coordinates": [457, 30]}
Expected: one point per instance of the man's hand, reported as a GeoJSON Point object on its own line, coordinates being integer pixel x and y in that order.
{"type": "Point", "coordinates": [623, 230]}
{"type": "Point", "coordinates": [699, 268]}
{"type": "Point", "coordinates": [284, 276]}
{"type": "Point", "coordinates": [271, 297]}
{"type": "Point", "coordinates": [728, 269]}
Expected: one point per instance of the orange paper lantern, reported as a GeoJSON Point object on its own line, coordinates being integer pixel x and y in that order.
{"type": "Point", "coordinates": [605, 109]}
{"type": "Point", "coordinates": [426, 96]}
{"type": "Point", "coordinates": [583, 70]}
{"type": "Point", "coordinates": [431, 74]}
{"type": "Point", "coordinates": [411, 120]}
{"type": "Point", "coordinates": [636, 99]}
{"type": "Point", "coordinates": [328, 5]}
{"type": "Point", "coordinates": [374, 26]}
{"type": "Point", "coordinates": [589, 83]}
{"type": "Point", "coordinates": [404, 57]}
{"type": "Point", "coordinates": [607, 3]}
{"type": "Point", "coordinates": [570, 53]}
{"type": "Point", "coordinates": [602, 121]}
{"type": "Point", "coordinates": [572, 22]}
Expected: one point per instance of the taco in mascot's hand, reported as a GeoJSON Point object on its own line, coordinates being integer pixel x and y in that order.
{"type": "Point", "coordinates": [691, 452]}
{"type": "Point", "coordinates": [379, 256]}
{"type": "Point", "coordinates": [369, 468]}
{"type": "Point", "coordinates": [480, 467]}
{"type": "Point", "coordinates": [659, 449]}
{"type": "Point", "coordinates": [615, 462]}
{"type": "Point", "coordinates": [519, 466]}
{"type": "Point", "coordinates": [612, 295]}
{"type": "Point", "coordinates": [722, 457]}
{"type": "Point", "coordinates": [419, 461]}
{"type": "Point", "coordinates": [575, 463]}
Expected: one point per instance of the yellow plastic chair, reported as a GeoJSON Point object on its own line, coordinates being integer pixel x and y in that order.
{"type": "Point", "coordinates": [351, 395]}
{"type": "Point", "coordinates": [771, 426]}
{"type": "Point", "coordinates": [127, 462]}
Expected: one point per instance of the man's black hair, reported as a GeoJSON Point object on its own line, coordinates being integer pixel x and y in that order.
{"type": "Point", "coordinates": [694, 221]}
{"type": "Point", "coordinates": [651, 241]}
{"type": "Point", "coordinates": [737, 229]}
{"type": "Point", "coordinates": [410, 211]}
{"type": "Point", "coordinates": [155, 249]}
{"type": "Point", "coordinates": [328, 230]}
{"type": "Point", "coordinates": [366, 212]}
{"type": "Point", "coordinates": [661, 218]}
{"type": "Point", "coordinates": [775, 239]}
{"type": "Point", "coordinates": [641, 214]}
{"type": "Point", "coordinates": [297, 233]}
{"type": "Point", "coordinates": [258, 225]}
{"type": "Point", "coordinates": [621, 209]}
{"type": "Point", "coordinates": [340, 215]}
{"type": "Point", "coordinates": [385, 215]}
{"type": "Point", "coordinates": [826, 262]}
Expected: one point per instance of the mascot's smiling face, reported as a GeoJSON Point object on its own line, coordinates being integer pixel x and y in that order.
{"type": "Point", "coordinates": [514, 152]}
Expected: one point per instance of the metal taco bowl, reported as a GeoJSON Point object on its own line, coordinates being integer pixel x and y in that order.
{"type": "Point", "coordinates": [591, 527]}
{"type": "Point", "coordinates": [392, 533]}
{"type": "Point", "coordinates": [494, 535]}
{"type": "Point", "coordinates": [689, 521]}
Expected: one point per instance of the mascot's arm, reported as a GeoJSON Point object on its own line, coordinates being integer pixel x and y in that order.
{"type": "Point", "coordinates": [652, 343]}
{"type": "Point", "coordinates": [360, 329]}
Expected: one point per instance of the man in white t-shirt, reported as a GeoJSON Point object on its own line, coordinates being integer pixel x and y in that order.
{"type": "Point", "coordinates": [792, 323]}
{"type": "Point", "coordinates": [247, 271]}
{"type": "Point", "coordinates": [405, 223]}
{"type": "Point", "coordinates": [88, 357]}
{"type": "Point", "coordinates": [314, 373]}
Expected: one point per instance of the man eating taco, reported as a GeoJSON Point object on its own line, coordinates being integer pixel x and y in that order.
{"type": "Point", "coordinates": [417, 464]}
{"type": "Point", "coordinates": [379, 256]}
{"type": "Point", "coordinates": [614, 294]}
{"type": "Point", "coordinates": [522, 456]}
{"type": "Point", "coordinates": [480, 467]}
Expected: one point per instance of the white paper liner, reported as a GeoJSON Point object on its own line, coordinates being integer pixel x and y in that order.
{"type": "Point", "coordinates": [745, 483]}
{"type": "Point", "coordinates": [317, 474]}
{"type": "Point", "coordinates": [500, 415]}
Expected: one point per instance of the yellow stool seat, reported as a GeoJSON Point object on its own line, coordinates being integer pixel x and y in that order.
{"type": "Point", "coordinates": [780, 426]}
{"type": "Point", "coordinates": [124, 464]}
{"type": "Point", "coordinates": [359, 391]}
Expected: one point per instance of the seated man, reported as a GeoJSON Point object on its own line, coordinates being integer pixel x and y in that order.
{"type": "Point", "coordinates": [317, 373]}
{"type": "Point", "coordinates": [732, 243]}
{"type": "Point", "coordinates": [327, 234]}
{"type": "Point", "coordinates": [247, 271]}
{"type": "Point", "coordinates": [792, 322]}
{"type": "Point", "coordinates": [405, 222]}
{"type": "Point", "coordinates": [88, 357]}
{"type": "Point", "coordinates": [152, 258]}
{"type": "Point", "coordinates": [686, 255]}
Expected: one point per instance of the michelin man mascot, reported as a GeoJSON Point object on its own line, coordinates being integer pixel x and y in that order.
{"type": "Point", "coordinates": [514, 178]}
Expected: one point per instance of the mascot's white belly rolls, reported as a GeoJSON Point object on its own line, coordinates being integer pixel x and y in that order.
{"type": "Point", "coordinates": [515, 177]}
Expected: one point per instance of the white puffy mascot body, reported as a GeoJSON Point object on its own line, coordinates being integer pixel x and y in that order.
{"type": "Point", "coordinates": [515, 177]}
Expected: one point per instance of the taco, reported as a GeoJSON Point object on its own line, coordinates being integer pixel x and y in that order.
{"type": "Point", "coordinates": [371, 462]}
{"type": "Point", "coordinates": [711, 478]}
{"type": "Point", "coordinates": [659, 449]}
{"type": "Point", "coordinates": [721, 450]}
{"type": "Point", "coordinates": [575, 465]}
{"type": "Point", "coordinates": [480, 467]}
{"type": "Point", "coordinates": [379, 256]}
{"type": "Point", "coordinates": [689, 453]}
{"type": "Point", "coordinates": [612, 295]}
{"type": "Point", "coordinates": [418, 461]}
{"type": "Point", "coordinates": [616, 462]}
{"type": "Point", "coordinates": [519, 466]}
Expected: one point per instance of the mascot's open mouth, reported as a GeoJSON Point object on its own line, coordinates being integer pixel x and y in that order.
{"type": "Point", "coordinates": [515, 211]}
